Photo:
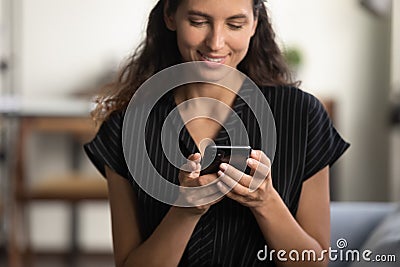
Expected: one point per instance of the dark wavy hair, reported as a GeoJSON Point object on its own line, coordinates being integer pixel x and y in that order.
{"type": "Point", "coordinates": [263, 63]}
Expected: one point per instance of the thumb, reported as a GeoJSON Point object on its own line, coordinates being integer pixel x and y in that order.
{"type": "Point", "coordinates": [195, 157]}
{"type": "Point", "coordinates": [192, 164]}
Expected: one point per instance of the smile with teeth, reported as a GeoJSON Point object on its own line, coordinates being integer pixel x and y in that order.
{"type": "Point", "coordinates": [213, 59]}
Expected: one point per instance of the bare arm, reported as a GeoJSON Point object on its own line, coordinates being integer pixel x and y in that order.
{"type": "Point", "coordinates": [310, 230]}
{"type": "Point", "coordinates": [167, 243]}
{"type": "Point", "coordinates": [163, 248]}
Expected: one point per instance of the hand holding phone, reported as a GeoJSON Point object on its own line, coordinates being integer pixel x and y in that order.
{"type": "Point", "coordinates": [233, 155]}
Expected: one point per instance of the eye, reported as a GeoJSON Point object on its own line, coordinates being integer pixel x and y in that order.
{"type": "Point", "coordinates": [235, 26]}
{"type": "Point", "coordinates": [198, 23]}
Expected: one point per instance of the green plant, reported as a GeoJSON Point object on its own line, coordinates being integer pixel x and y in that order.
{"type": "Point", "coordinates": [292, 56]}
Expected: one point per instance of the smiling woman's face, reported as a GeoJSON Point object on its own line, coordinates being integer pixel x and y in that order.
{"type": "Point", "coordinates": [214, 31]}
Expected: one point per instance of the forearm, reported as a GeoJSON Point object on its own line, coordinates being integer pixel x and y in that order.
{"type": "Point", "coordinates": [166, 245]}
{"type": "Point", "coordinates": [282, 232]}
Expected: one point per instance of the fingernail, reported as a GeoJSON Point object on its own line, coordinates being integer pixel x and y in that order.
{"type": "Point", "coordinates": [220, 173]}
{"type": "Point", "coordinates": [251, 161]}
{"type": "Point", "coordinates": [223, 166]}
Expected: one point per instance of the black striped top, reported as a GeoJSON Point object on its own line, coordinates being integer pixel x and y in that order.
{"type": "Point", "coordinates": [228, 234]}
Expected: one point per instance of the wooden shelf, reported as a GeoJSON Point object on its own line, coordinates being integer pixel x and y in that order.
{"type": "Point", "coordinates": [69, 187]}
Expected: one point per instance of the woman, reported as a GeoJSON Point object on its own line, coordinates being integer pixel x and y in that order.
{"type": "Point", "coordinates": [289, 211]}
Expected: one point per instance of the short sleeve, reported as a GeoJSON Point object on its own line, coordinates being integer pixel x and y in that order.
{"type": "Point", "coordinates": [324, 144]}
{"type": "Point", "coordinates": [106, 147]}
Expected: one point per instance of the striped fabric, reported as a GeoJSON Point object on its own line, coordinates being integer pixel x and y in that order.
{"type": "Point", "coordinates": [228, 234]}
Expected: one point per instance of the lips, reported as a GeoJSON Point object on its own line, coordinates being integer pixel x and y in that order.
{"type": "Point", "coordinates": [213, 59]}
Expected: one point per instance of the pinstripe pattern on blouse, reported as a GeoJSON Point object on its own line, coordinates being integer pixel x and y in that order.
{"type": "Point", "coordinates": [228, 234]}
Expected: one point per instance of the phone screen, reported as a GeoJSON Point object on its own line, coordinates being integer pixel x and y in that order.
{"type": "Point", "coordinates": [233, 155]}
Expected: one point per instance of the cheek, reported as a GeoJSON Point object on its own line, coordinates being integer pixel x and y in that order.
{"type": "Point", "coordinates": [241, 44]}
{"type": "Point", "coordinates": [187, 38]}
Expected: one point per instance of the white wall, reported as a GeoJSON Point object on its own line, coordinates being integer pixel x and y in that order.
{"type": "Point", "coordinates": [67, 45]}
{"type": "Point", "coordinates": [346, 57]}
{"type": "Point", "coordinates": [395, 73]}
{"type": "Point", "coordinates": [1, 40]}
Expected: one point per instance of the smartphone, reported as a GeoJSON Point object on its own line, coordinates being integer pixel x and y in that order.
{"type": "Point", "coordinates": [233, 155]}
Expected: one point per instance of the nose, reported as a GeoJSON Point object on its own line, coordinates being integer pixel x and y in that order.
{"type": "Point", "coordinates": [216, 38]}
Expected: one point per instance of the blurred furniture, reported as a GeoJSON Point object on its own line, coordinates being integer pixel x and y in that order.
{"type": "Point", "coordinates": [3, 189]}
{"type": "Point", "coordinates": [354, 222]}
{"type": "Point", "coordinates": [72, 187]}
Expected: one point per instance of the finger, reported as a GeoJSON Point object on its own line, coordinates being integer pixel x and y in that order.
{"type": "Point", "coordinates": [223, 188]}
{"type": "Point", "coordinates": [189, 166]}
{"type": "Point", "coordinates": [236, 174]}
{"type": "Point", "coordinates": [196, 157]}
{"type": "Point", "coordinates": [260, 156]}
{"type": "Point", "coordinates": [227, 192]}
{"type": "Point", "coordinates": [192, 164]}
{"type": "Point", "coordinates": [232, 184]}
{"type": "Point", "coordinates": [259, 172]}
{"type": "Point", "coordinates": [188, 173]}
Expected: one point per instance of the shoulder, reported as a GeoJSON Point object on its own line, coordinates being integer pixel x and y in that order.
{"type": "Point", "coordinates": [110, 130]}
{"type": "Point", "coordinates": [292, 98]}
{"type": "Point", "coordinates": [113, 123]}
{"type": "Point", "coordinates": [115, 118]}
{"type": "Point", "coordinates": [285, 91]}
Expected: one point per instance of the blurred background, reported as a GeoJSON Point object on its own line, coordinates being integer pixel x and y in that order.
{"type": "Point", "coordinates": [55, 54]}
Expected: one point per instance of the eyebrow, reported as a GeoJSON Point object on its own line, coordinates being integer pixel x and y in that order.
{"type": "Point", "coordinates": [205, 15]}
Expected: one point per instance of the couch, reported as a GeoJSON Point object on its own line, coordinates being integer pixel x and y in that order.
{"type": "Point", "coordinates": [365, 225]}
